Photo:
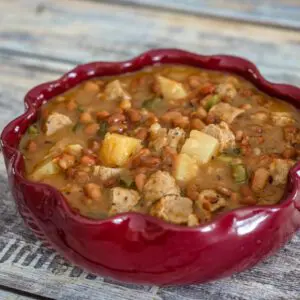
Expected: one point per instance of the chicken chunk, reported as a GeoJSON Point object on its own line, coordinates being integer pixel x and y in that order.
{"type": "Point", "coordinates": [173, 208]}
{"type": "Point", "coordinates": [226, 90]}
{"type": "Point", "coordinates": [222, 133]}
{"type": "Point", "coordinates": [260, 179]}
{"type": "Point", "coordinates": [159, 185]}
{"type": "Point", "coordinates": [282, 119]}
{"type": "Point", "coordinates": [55, 122]}
{"type": "Point", "coordinates": [279, 170]}
{"type": "Point", "coordinates": [225, 112]}
{"type": "Point", "coordinates": [208, 202]}
{"type": "Point", "coordinates": [176, 137]}
{"type": "Point", "coordinates": [158, 136]}
{"type": "Point", "coordinates": [123, 200]}
{"type": "Point", "coordinates": [105, 173]}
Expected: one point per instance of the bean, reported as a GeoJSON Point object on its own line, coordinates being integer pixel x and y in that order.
{"type": "Point", "coordinates": [116, 118]}
{"type": "Point", "coordinates": [170, 116]}
{"type": "Point", "coordinates": [142, 134]}
{"type": "Point", "coordinates": [31, 146]}
{"type": "Point", "coordinates": [101, 115]}
{"type": "Point", "coordinates": [192, 192]}
{"type": "Point", "coordinates": [66, 161]}
{"type": "Point", "coordinates": [91, 129]}
{"type": "Point", "coordinates": [150, 161]}
{"type": "Point", "coordinates": [239, 135]}
{"type": "Point", "coordinates": [140, 180]}
{"type": "Point", "coordinates": [245, 190]}
{"type": "Point", "coordinates": [88, 160]}
{"type": "Point", "coordinates": [71, 105]}
{"type": "Point", "coordinates": [120, 128]}
{"type": "Point", "coordinates": [85, 118]}
{"type": "Point", "coordinates": [134, 115]}
{"type": "Point", "coordinates": [94, 146]}
{"type": "Point", "coordinates": [93, 191]}
{"type": "Point", "coordinates": [182, 122]}
{"type": "Point", "coordinates": [207, 88]}
{"type": "Point", "coordinates": [91, 87]}
{"type": "Point", "coordinates": [260, 179]}
{"type": "Point", "coordinates": [195, 81]}
{"type": "Point", "coordinates": [197, 124]}
{"type": "Point", "coordinates": [151, 119]}
{"type": "Point", "coordinates": [125, 104]}
{"type": "Point", "coordinates": [224, 191]}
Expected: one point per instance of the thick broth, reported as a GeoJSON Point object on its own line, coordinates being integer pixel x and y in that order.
{"type": "Point", "coordinates": [180, 143]}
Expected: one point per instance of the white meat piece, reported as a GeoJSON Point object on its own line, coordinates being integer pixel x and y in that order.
{"type": "Point", "coordinates": [158, 185]}
{"type": "Point", "coordinates": [159, 137]}
{"type": "Point", "coordinates": [55, 122]}
{"type": "Point", "coordinates": [226, 90]}
{"type": "Point", "coordinates": [225, 112]}
{"type": "Point", "coordinates": [114, 91]}
{"type": "Point", "coordinates": [123, 200]}
{"type": "Point", "coordinates": [222, 133]}
{"type": "Point", "coordinates": [105, 173]}
{"type": "Point", "coordinates": [282, 119]}
{"type": "Point", "coordinates": [173, 208]}
{"type": "Point", "coordinates": [176, 137]}
{"type": "Point", "coordinates": [279, 170]}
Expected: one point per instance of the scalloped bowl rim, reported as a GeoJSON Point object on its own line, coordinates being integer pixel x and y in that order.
{"type": "Point", "coordinates": [156, 54]}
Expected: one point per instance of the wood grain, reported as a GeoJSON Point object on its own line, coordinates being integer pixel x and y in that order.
{"type": "Point", "coordinates": [39, 40]}
{"type": "Point", "coordinates": [282, 13]}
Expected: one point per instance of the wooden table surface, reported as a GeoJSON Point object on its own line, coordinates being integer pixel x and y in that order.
{"type": "Point", "coordinates": [40, 39]}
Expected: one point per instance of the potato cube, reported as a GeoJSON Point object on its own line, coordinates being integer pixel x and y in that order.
{"type": "Point", "coordinates": [116, 149]}
{"type": "Point", "coordinates": [186, 168]}
{"type": "Point", "coordinates": [200, 146]}
{"type": "Point", "coordinates": [45, 169]}
{"type": "Point", "coordinates": [115, 91]}
{"type": "Point", "coordinates": [171, 89]}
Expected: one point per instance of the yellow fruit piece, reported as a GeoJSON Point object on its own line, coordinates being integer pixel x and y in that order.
{"type": "Point", "coordinates": [200, 146]}
{"type": "Point", "coordinates": [186, 168]}
{"type": "Point", "coordinates": [116, 149]}
{"type": "Point", "coordinates": [171, 89]}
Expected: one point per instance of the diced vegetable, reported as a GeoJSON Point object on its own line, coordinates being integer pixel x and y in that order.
{"type": "Point", "coordinates": [102, 130]}
{"type": "Point", "coordinates": [33, 130]}
{"type": "Point", "coordinates": [239, 173]}
{"type": "Point", "coordinates": [116, 149]}
{"type": "Point", "coordinates": [152, 104]}
{"type": "Point", "coordinates": [213, 100]}
{"type": "Point", "coordinates": [45, 169]}
{"type": "Point", "coordinates": [171, 89]}
{"type": "Point", "coordinates": [200, 146]}
{"type": "Point", "coordinates": [114, 91]}
{"type": "Point", "coordinates": [55, 122]}
{"type": "Point", "coordinates": [186, 168]}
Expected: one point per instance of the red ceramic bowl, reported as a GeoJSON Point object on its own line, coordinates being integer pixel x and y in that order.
{"type": "Point", "coordinates": [139, 248]}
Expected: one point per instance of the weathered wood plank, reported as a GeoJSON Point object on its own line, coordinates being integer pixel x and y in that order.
{"type": "Point", "coordinates": [273, 12]}
{"type": "Point", "coordinates": [9, 295]}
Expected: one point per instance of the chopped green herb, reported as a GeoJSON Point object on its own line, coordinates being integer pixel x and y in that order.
{"type": "Point", "coordinates": [80, 108]}
{"type": "Point", "coordinates": [76, 127]}
{"type": "Point", "coordinates": [103, 129]}
{"type": "Point", "coordinates": [239, 173]}
{"type": "Point", "coordinates": [33, 130]}
{"type": "Point", "coordinates": [232, 151]}
{"type": "Point", "coordinates": [126, 180]}
{"type": "Point", "coordinates": [213, 100]}
{"type": "Point", "coordinates": [152, 103]}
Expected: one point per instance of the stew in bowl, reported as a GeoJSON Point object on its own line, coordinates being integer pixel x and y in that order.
{"type": "Point", "coordinates": [177, 142]}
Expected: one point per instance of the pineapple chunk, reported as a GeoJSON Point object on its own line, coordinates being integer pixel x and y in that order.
{"type": "Point", "coordinates": [116, 149]}
{"type": "Point", "coordinates": [171, 89]}
{"type": "Point", "coordinates": [186, 168]}
{"type": "Point", "coordinates": [45, 169]}
{"type": "Point", "coordinates": [200, 146]}
{"type": "Point", "coordinates": [115, 91]}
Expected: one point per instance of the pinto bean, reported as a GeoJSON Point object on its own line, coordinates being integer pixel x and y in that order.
{"type": "Point", "coordinates": [116, 118]}
{"type": "Point", "coordinates": [120, 128]}
{"type": "Point", "coordinates": [197, 124]}
{"type": "Point", "coordinates": [142, 134]}
{"type": "Point", "coordinates": [101, 115]}
{"type": "Point", "coordinates": [91, 87]}
{"type": "Point", "coordinates": [91, 129]}
{"type": "Point", "coordinates": [170, 116]}
{"type": "Point", "coordinates": [125, 104]}
{"type": "Point", "coordinates": [134, 115]}
{"type": "Point", "coordinates": [93, 191]}
{"type": "Point", "coordinates": [140, 180]}
{"type": "Point", "coordinates": [85, 118]}
{"type": "Point", "coordinates": [88, 160]}
{"type": "Point", "coordinates": [71, 105]}
{"type": "Point", "coordinates": [182, 122]}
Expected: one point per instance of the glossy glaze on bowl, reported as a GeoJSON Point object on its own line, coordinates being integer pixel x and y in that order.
{"type": "Point", "coordinates": [139, 248]}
